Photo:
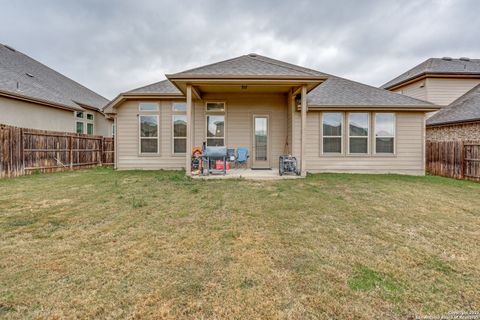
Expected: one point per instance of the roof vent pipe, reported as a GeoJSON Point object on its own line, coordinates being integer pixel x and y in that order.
{"type": "Point", "coordinates": [447, 58]}
{"type": "Point", "coordinates": [464, 58]}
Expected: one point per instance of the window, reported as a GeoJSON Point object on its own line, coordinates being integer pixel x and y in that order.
{"type": "Point", "coordinates": [179, 107]}
{"type": "Point", "coordinates": [148, 134]}
{"type": "Point", "coordinates": [332, 132]}
{"type": "Point", "coordinates": [148, 106]}
{"type": "Point", "coordinates": [358, 133]}
{"type": "Point", "coordinates": [385, 133]}
{"type": "Point", "coordinates": [179, 133]}
{"type": "Point", "coordinates": [89, 116]}
{"type": "Point", "coordinates": [215, 124]}
{"type": "Point", "coordinates": [79, 127]}
{"type": "Point", "coordinates": [79, 114]}
{"type": "Point", "coordinates": [216, 106]}
{"type": "Point", "coordinates": [90, 128]}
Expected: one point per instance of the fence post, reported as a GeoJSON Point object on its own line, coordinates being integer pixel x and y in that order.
{"type": "Point", "coordinates": [462, 160]}
{"type": "Point", "coordinates": [101, 150]}
{"type": "Point", "coordinates": [70, 146]}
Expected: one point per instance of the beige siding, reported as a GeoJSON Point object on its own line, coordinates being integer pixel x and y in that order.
{"type": "Point", "coordinates": [416, 90]}
{"type": "Point", "coordinates": [444, 91]}
{"type": "Point", "coordinates": [127, 129]}
{"type": "Point", "coordinates": [239, 120]}
{"type": "Point", "coordinates": [409, 157]}
{"type": "Point", "coordinates": [30, 115]}
{"type": "Point", "coordinates": [102, 126]}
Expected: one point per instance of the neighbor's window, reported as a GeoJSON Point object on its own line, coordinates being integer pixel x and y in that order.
{"type": "Point", "coordinates": [89, 116]}
{"type": "Point", "coordinates": [148, 133]}
{"type": "Point", "coordinates": [179, 133]}
{"type": "Point", "coordinates": [179, 107]}
{"type": "Point", "coordinates": [90, 128]}
{"type": "Point", "coordinates": [384, 133]}
{"type": "Point", "coordinates": [79, 127]}
{"type": "Point", "coordinates": [148, 106]}
{"type": "Point", "coordinates": [79, 114]}
{"type": "Point", "coordinates": [332, 132]}
{"type": "Point", "coordinates": [216, 124]}
{"type": "Point", "coordinates": [358, 133]}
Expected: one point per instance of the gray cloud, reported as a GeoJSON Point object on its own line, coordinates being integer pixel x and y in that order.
{"type": "Point", "coordinates": [114, 46]}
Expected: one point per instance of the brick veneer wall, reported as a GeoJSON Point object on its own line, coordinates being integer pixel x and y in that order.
{"type": "Point", "coordinates": [464, 131]}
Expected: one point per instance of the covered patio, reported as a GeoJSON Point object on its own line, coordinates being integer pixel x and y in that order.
{"type": "Point", "coordinates": [249, 174]}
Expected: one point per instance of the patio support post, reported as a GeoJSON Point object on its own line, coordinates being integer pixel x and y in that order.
{"type": "Point", "coordinates": [188, 164]}
{"type": "Point", "coordinates": [303, 132]}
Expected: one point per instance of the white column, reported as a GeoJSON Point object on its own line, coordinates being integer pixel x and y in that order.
{"type": "Point", "coordinates": [303, 132]}
{"type": "Point", "coordinates": [188, 163]}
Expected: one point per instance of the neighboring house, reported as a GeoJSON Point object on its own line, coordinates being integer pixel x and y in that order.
{"type": "Point", "coordinates": [460, 120]}
{"type": "Point", "coordinates": [34, 96]}
{"type": "Point", "coordinates": [272, 108]}
{"type": "Point", "coordinates": [438, 80]}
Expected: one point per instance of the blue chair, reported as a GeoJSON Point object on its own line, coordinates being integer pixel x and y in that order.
{"type": "Point", "coordinates": [242, 157]}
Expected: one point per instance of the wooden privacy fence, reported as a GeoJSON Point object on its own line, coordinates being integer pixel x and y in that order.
{"type": "Point", "coordinates": [454, 159]}
{"type": "Point", "coordinates": [23, 151]}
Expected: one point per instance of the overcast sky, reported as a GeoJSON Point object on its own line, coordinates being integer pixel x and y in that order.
{"type": "Point", "coordinates": [114, 46]}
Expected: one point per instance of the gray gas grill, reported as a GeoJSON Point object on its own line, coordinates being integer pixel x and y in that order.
{"type": "Point", "coordinates": [209, 158]}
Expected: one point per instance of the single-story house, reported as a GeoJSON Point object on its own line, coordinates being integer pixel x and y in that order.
{"type": "Point", "coordinates": [272, 108]}
{"type": "Point", "coordinates": [438, 80]}
{"type": "Point", "coordinates": [460, 120]}
{"type": "Point", "coordinates": [34, 96]}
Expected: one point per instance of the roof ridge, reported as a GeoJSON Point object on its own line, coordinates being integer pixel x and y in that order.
{"type": "Point", "coordinates": [209, 65]}
{"type": "Point", "coordinates": [283, 64]}
{"type": "Point", "coordinates": [147, 85]}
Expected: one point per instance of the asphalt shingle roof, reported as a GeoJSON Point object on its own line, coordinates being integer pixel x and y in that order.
{"type": "Point", "coordinates": [161, 87]}
{"type": "Point", "coordinates": [22, 75]}
{"type": "Point", "coordinates": [343, 92]}
{"type": "Point", "coordinates": [465, 108]}
{"type": "Point", "coordinates": [437, 66]}
{"type": "Point", "coordinates": [334, 91]}
{"type": "Point", "coordinates": [250, 65]}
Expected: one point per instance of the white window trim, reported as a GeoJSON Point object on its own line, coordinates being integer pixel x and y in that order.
{"type": "Point", "coordinates": [157, 106]}
{"type": "Point", "coordinates": [342, 132]}
{"type": "Point", "coordinates": [216, 113]}
{"type": "Point", "coordinates": [177, 113]}
{"type": "Point", "coordinates": [140, 137]}
{"type": "Point", "coordinates": [375, 135]}
{"type": "Point", "coordinates": [367, 136]}
{"type": "Point", "coordinates": [83, 128]}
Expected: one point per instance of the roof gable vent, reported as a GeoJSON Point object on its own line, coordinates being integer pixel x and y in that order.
{"type": "Point", "coordinates": [447, 58]}
{"type": "Point", "coordinates": [464, 58]}
{"type": "Point", "coordinates": [253, 55]}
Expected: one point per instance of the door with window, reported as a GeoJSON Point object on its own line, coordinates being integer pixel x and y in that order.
{"type": "Point", "coordinates": [261, 142]}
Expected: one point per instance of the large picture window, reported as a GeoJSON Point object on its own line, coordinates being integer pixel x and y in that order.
{"type": "Point", "coordinates": [332, 132]}
{"type": "Point", "coordinates": [358, 133]}
{"type": "Point", "coordinates": [385, 133]}
{"type": "Point", "coordinates": [148, 134]}
{"type": "Point", "coordinates": [215, 124]}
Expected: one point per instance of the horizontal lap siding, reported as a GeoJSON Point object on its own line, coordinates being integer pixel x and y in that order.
{"type": "Point", "coordinates": [416, 90]}
{"type": "Point", "coordinates": [408, 158]}
{"type": "Point", "coordinates": [239, 120]}
{"type": "Point", "coordinates": [128, 141]}
{"type": "Point", "coordinates": [445, 91]}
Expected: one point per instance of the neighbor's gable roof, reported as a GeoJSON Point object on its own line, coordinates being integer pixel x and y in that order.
{"type": "Point", "coordinates": [251, 65]}
{"type": "Point", "coordinates": [24, 77]}
{"type": "Point", "coordinates": [439, 66]}
{"type": "Point", "coordinates": [336, 91]}
{"type": "Point", "coordinates": [161, 87]}
{"type": "Point", "coordinates": [466, 108]}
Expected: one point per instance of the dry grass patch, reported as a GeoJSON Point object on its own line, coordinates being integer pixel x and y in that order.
{"type": "Point", "coordinates": [136, 245]}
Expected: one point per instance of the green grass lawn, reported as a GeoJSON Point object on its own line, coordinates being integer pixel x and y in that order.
{"type": "Point", "coordinates": [106, 244]}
